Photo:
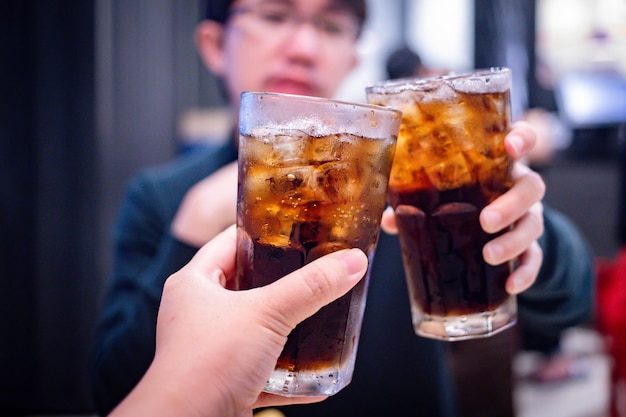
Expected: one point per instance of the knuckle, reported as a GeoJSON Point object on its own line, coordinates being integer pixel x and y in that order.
{"type": "Point", "coordinates": [318, 282]}
{"type": "Point", "coordinates": [538, 251]}
{"type": "Point", "coordinates": [537, 218]}
{"type": "Point", "coordinates": [536, 182]}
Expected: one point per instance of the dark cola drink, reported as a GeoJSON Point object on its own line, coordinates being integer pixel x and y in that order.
{"type": "Point", "coordinates": [449, 278]}
{"type": "Point", "coordinates": [450, 163]}
{"type": "Point", "coordinates": [324, 200]}
{"type": "Point", "coordinates": [320, 343]}
{"type": "Point", "coordinates": [310, 186]}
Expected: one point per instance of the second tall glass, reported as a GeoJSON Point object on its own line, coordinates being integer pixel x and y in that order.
{"type": "Point", "coordinates": [450, 162]}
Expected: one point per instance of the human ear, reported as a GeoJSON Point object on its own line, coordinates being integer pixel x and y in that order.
{"type": "Point", "coordinates": [209, 43]}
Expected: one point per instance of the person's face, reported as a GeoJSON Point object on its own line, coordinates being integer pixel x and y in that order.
{"type": "Point", "coordinates": [302, 47]}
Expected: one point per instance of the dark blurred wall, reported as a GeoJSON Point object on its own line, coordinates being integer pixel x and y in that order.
{"type": "Point", "coordinates": [147, 74]}
{"type": "Point", "coordinates": [48, 204]}
{"type": "Point", "coordinates": [91, 93]}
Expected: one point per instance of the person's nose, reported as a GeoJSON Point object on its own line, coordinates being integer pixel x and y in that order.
{"type": "Point", "coordinates": [304, 42]}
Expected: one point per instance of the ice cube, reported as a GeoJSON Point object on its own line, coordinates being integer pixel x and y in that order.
{"type": "Point", "coordinates": [270, 224]}
{"type": "Point", "coordinates": [454, 115]}
{"type": "Point", "coordinates": [279, 241]}
{"type": "Point", "coordinates": [377, 183]}
{"type": "Point", "coordinates": [446, 141]}
{"type": "Point", "coordinates": [287, 147]}
{"type": "Point", "coordinates": [450, 173]}
{"type": "Point", "coordinates": [494, 176]}
{"type": "Point", "coordinates": [341, 231]}
{"type": "Point", "coordinates": [283, 218]}
{"type": "Point", "coordinates": [335, 181]}
{"type": "Point", "coordinates": [405, 174]}
{"type": "Point", "coordinates": [326, 148]}
{"type": "Point", "coordinates": [288, 181]}
{"type": "Point", "coordinates": [493, 103]}
{"type": "Point", "coordinates": [442, 91]}
{"type": "Point", "coordinates": [255, 183]}
{"type": "Point", "coordinates": [294, 185]}
{"type": "Point", "coordinates": [410, 109]}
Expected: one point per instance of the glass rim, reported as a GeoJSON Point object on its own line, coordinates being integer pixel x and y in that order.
{"type": "Point", "coordinates": [316, 99]}
{"type": "Point", "coordinates": [399, 85]}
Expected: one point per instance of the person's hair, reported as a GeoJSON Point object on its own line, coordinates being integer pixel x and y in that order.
{"type": "Point", "coordinates": [217, 10]}
{"type": "Point", "coordinates": [403, 62]}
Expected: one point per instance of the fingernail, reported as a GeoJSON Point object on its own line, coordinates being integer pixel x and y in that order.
{"type": "Point", "coordinates": [494, 252]}
{"type": "Point", "coordinates": [491, 220]}
{"type": "Point", "coordinates": [355, 261]}
{"type": "Point", "coordinates": [516, 143]}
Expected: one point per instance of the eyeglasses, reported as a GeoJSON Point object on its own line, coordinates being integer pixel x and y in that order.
{"type": "Point", "coordinates": [282, 20]}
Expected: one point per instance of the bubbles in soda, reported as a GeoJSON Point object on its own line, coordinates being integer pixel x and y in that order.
{"type": "Point", "coordinates": [301, 197]}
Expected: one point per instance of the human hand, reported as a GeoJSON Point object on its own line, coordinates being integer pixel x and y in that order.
{"type": "Point", "coordinates": [208, 208]}
{"type": "Point", "coordinates": [215, 348]}
{"type": "Point", "coordinates": [520, 207]}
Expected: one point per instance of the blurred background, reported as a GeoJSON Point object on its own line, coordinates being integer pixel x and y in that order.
{"type": "Point", "coordinates": [93, 90]}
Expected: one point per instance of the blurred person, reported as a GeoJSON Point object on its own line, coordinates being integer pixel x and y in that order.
{"type": "Point", "coordinates": [404, 62]}
{"type": "Point", "coordinates": [202, 322]}
{"type": "Point", "coordinates": [308, 47]}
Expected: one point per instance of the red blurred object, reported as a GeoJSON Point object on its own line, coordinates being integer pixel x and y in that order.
{"type": "Point", "coordinates": [611, 319]}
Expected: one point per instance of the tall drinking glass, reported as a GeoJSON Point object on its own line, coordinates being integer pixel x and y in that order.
{"type": "Point", "coordinates": [313, 176]}
{"type": "Point", "coordinates": [450, 162]}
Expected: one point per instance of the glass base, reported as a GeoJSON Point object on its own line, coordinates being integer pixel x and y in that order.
{"type": "Point", "coordinates": [307, 383]}
{"type": "Point", "coordinates": [469, 326]}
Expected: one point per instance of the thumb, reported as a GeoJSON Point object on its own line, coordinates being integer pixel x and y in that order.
{"type": "Point", "coordinates": [302, 293]}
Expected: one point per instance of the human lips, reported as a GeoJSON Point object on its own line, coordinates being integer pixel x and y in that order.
{"type": "Point", "coordinates": [291, 86]}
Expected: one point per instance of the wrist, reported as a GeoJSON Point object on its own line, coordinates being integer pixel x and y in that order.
{"type": "Point", "coordinates": [166, 391]}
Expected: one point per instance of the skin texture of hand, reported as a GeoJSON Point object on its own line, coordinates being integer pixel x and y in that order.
{"type": "Point", "coordinates": [215, 348]}
{"type": "Point", "coordinates": [208, 208]}
{"type": "Point", "coordinates": [519, 207]}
